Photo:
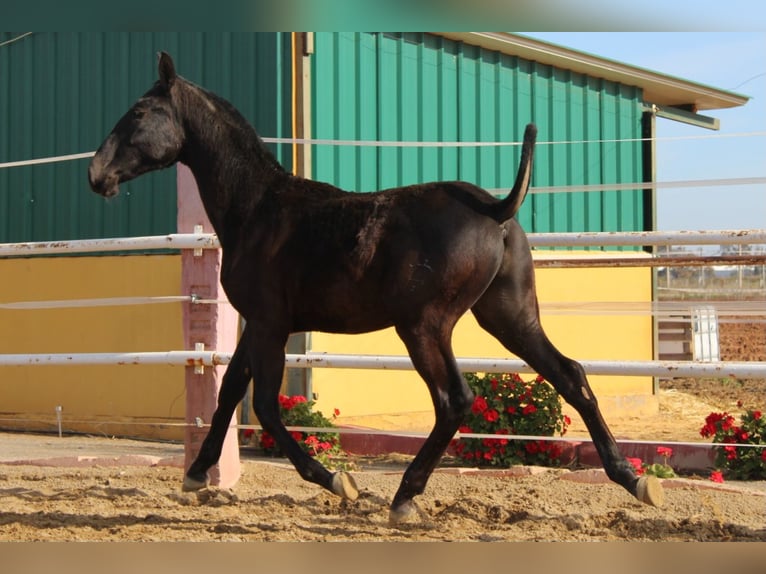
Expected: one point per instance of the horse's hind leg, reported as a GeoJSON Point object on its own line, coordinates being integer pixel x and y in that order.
{"type": "Point", "coordinates": [508, 310]}
{"type": "Point", "coordinates": [235, 381]}
{"type": "Point", "coordinates": [432, 357]}
{"type": "Point", "coordinates": [267, 357]}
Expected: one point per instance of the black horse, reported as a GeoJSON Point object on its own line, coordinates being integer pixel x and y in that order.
{"type": "Point", "coordinates": [300, 255]}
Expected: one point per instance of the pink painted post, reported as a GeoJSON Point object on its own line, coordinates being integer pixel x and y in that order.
{"type": "Point", "coordinates": [215, 326]}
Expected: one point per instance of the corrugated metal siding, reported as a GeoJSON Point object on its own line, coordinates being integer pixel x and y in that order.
{"type": "Point", "coordinates": [419, 87]}
{"type": "Point", "coordinates": [61, 93]}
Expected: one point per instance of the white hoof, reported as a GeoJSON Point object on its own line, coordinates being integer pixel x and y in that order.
{"type": "Point", "coordinates": [405, 513]}
{"type": "Point", "coordinates": [343, 485]}
{"type": "Point", "coordinates": [190, 485]}
{"type": "Point", "coordinates": [649, 491]}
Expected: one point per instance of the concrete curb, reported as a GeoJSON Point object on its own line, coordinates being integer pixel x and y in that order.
{"type": "Point", "coordinates": [90, 461]}
{"type": "Point", "coordinates": [686, 458]}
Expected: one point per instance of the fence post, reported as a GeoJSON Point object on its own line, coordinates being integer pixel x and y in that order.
{"type": "Point", "coordinates": [214, 326]}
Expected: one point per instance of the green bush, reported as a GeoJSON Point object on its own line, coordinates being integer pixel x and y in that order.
{"type": "Point", "coordinates": [737, 461]}
{"type": "Point", "coordinates": [507, 405]}
{"type": "Point", "coordinates": [297, 411]}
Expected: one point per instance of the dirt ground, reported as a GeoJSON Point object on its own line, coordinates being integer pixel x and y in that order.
{"type": "Point", "coordinates": [271, 503]}
{"type": "Point", "coordinates": [143, 502]}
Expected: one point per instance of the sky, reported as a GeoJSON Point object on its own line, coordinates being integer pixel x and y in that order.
{"type": "Point", "coordinates": [731, 61]}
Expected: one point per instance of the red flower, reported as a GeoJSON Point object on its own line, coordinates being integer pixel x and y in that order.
{"type": "Point", "coordinates": [555, 451]}
{"type": "Point", "coordinates": [511, 410]}
{"type": "Point", "coordinates": [479, 405]}
{"type": "Point", "coordinates": [311, 440]}
{"type": "Point", "coordinates": [715, 422]}
{"type": "Point", "coordinates": [491, 415]}
{"type": "Point", "coordinates": [297, 435]}
{"type": "Point", "coordinates": [742, 435]}
{"type": "Point", "coordinates": [528, 410]}
{"type": "Point", "coordinates": [294, 400]}
{"type": "Point", "coordinates": [665, 451]}
{"type": "Point", "coordinates": [763, 455]}
{"type": "Point", "coordinates": [756, 415]}
{"type": "Point", "coordinates": [465, 429]}
{"type": "Point", "coordinates": [267, 441]}
{"type": "Point", "coordinates": [493, 383]}
{"type": "Point", "coordinates": [287, 403]}
{"type": "Point", "coordinates": [532, 447]}
{"type": "Point", "coordinates": [336, 412]}
{"type": "Point", "coordinates": [716, 476]}
{"type": "Point", "coordinates": [727, 423]}
{"type": "Point", "coordinates": [636, 463]}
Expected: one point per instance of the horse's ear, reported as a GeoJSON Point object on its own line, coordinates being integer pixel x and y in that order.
{"type": "Point", "coordinates": [167, 69]}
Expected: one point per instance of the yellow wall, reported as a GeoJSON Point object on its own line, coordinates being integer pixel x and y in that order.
{"type": "Point", "coordinates": [117, 400]}
{"type": "Point", "coordinates": [399, 399]}
{"type": "Point", "coordinates": [113, 400]}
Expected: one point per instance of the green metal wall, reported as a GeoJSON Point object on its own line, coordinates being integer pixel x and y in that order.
{"type": "Point", "coordinates": [420, 87]}
{"type": "Point", "coordinates": [61, 93]}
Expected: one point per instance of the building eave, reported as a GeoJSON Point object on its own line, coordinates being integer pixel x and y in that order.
{"type": "Point", "coordinates": [658, 89]}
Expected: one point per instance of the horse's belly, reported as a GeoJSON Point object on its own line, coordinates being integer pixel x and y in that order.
{"type": "Point", "coordinates": [347, 320]}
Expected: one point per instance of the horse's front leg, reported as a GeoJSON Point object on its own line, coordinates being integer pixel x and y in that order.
{"type": "Point", "coordinates": [235, 381]}
{"type": "Point", "coordinates": [267, 356]}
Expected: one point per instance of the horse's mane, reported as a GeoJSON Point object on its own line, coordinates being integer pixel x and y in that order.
{"type": "Point", "coordinates": [214, 109]}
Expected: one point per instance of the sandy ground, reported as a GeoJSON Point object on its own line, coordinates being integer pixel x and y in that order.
{"type": "Point", "coordinates": [125, 490]}
{"type": "Point", "coordinates": [271, 503]}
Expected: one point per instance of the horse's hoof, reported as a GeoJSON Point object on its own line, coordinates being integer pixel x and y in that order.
{"type": "Point", "coordinates": [191, 484]}
{"type": "Point", "coordinates": [402, 513]}
{"type": "Point", "coordinates": [649, 491]}
{"type": "Point", "coordinates": [343, 484]}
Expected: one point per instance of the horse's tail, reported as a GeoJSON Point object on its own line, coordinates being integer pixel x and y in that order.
{"type": "Point", "coordinates": [509, 206]}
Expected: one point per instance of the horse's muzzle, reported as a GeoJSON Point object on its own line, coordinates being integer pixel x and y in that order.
{"type": "Point", "coordinates": [102, 181]}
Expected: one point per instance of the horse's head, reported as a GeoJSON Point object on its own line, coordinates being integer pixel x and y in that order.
{"type": "Point", "coordinates": [148, 137]}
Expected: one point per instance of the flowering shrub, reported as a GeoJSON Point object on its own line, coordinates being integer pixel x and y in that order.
{"type": "Point", "coordinates": [504, 405]}
{"type": "Point", "coordinates": [660, 470]}
{"type": "Point", "coordinates": [738, 462]}
{"type": "Point", "coordinates": [297, 411]}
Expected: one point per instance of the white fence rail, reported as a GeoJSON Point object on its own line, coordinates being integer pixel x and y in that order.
{"type": "Point", "coordinates": [210, 241]}
{"type": "Point", "coordinates": [172, 241]}
{"type": "Point", "coordinates": [393, 362]}
{"type": "Point", "coordinates": [210, 358]}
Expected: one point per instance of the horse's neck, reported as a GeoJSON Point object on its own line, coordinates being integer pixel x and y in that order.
{"type": "Point", "coordinates": [229, 163]}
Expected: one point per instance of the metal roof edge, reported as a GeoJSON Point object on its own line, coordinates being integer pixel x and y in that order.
{"type": "Point", "coordinates": [660, 89]}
